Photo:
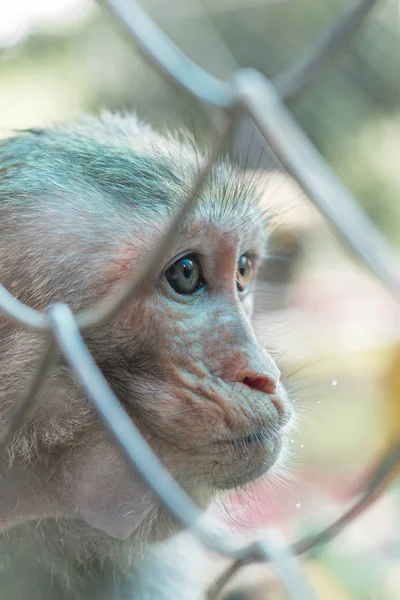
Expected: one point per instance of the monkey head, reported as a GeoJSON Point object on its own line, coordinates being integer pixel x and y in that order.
{"type": "Point", "coordinates": [80, 207]}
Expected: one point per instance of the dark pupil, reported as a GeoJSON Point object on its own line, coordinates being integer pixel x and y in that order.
{"type": "Point", "coordinates": [184, 275]}
{"type": "Point", "coordinates": [243, 273]}
{"type": "Point", "coordinates": [187, 269]}
{"type": "Point", "coordinates": [242, 266]}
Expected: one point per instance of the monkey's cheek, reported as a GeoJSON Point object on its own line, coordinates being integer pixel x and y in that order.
{"type": "Point", "coordinates": [245, 464]}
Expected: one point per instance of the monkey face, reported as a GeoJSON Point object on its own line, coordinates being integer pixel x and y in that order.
{"type": "Point", "coordinates": [217, 406]}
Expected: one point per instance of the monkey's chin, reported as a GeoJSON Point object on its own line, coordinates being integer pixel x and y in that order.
{"type": "Point", "coordinates": [246, 463]}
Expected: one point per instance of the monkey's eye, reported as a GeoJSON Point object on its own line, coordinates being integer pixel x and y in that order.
{"type": "Point", "coordinates": [244, 272]}
{"type": "Point", "coordinates": [184, 276]}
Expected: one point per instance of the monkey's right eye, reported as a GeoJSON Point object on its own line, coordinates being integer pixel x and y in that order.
{"type": "Point", "coordinates": [184, 276]}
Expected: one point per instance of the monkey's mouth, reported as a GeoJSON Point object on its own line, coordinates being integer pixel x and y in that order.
{"type": "Point", "coordinates": [245, 458]}
{"type": "Point", "coordinates": [259, 437]}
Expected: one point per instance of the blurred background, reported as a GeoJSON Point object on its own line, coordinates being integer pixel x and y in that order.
{"type": "Point", "coordinates": [335, 332]}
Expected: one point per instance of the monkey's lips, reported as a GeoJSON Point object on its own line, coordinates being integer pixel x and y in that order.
{"type": "Point", "coordinates": [257, 437]}
{"type": "Point", "coordinates": [245, 458]}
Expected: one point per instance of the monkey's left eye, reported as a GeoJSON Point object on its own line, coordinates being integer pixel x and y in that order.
{"type": "Point", "coordinates": [184, 276]}
{"type": "Point", "coordinates": [244, 272]}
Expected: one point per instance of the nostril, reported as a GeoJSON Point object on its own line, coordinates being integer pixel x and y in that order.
{"type": "Point", "coordinates": [261, 383]}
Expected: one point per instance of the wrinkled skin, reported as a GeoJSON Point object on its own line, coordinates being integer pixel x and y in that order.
{"type": "Point", "coordinates": [79, 207]}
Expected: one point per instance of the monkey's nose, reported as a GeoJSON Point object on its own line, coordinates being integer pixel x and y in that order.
{"type": "Point", "coordinates": [267, 384]}
{"type": "Point", "coordinates": [263, 383]}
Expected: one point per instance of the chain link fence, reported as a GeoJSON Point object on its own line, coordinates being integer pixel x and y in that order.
{"type": "Point", "coordinates": [247, 94]}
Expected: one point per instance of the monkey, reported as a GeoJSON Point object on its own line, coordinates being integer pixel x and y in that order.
{"type": "Point", "coordinates": [81, 205]}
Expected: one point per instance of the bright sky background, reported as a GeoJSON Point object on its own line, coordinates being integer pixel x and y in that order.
{"type": "Point", "coordinates": [19, 18]}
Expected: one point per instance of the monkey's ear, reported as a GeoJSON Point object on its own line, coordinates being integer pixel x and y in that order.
{"type": "Point", "coordinates": [101, 489]}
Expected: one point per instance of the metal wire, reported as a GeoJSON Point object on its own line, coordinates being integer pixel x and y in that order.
{"type": "Point", "coordinates": [168, 59]}
{"type": "Point", "coordinates": [292, 82]}
{"type": "Point", "coordinates": [251, 94]}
